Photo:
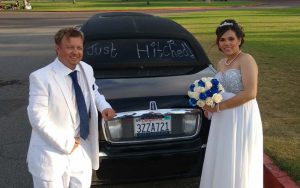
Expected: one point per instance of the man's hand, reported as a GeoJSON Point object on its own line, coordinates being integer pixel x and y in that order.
{"type": "Point", "coordinates": [108, 114]}
{"type": "Point", "coordinates": [76, 144]}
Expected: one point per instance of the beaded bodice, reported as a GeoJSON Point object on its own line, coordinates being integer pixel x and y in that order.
{"type": "Point", "coordinates": [231, 80]}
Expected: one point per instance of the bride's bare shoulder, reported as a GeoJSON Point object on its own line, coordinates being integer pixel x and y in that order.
{"type": "Point", "coordinates": [220, 64]}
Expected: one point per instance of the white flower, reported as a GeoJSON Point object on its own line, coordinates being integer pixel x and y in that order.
{"type": "Point", "coordinates": [220, 87]}
{"type": "Point", "coordinates": [200, 103]}
{"type": "Point", "coordinates": [208, 85]}
{"type": "Point", "coordinates": [200, 89]}
{"type": "Point", "coordinates": [190, 94]}
{"type": "Point", "coordinates": [194, 95]}
{"type": "Point", "coordinates": [209, 101]}
{"type": "Point", "coordinates": [217, 98]}
{"type": "Point", "coordinates": [204, 79]}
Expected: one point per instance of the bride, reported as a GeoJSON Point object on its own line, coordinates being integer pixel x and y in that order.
{"type": "Point", "coordinates": [234, 154]}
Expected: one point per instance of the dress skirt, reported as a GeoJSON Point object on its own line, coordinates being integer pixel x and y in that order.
{"type": "Point", "coordinates": [234, 153]}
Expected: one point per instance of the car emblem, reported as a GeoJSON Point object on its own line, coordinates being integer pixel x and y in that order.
{"type": "Point", "coordinates": [152, 105]}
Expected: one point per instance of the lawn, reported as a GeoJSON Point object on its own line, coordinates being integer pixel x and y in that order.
{"type": "Point", "coordinates": [272, 37]}
{"type": "Point", "coordinates": [90, 5]}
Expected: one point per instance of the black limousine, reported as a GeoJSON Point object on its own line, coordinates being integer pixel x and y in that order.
{"type": "Point", "coordinates": [144, 65]}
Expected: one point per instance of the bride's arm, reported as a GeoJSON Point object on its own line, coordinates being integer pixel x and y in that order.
{"type": "Point", "coordinates": [249, 73]}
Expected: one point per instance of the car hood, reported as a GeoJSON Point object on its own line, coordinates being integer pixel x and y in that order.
{"type": "Point", "coordinates": [136, 93]}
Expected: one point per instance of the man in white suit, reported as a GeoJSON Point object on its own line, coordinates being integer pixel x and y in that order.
{"type": "Point", "coordinates": [59, 154]}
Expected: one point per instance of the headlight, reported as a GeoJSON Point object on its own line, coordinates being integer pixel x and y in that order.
{"type": "Point", "coordinates": [189, 123]}
{"type": "Point", "coordinates": [115, 129]}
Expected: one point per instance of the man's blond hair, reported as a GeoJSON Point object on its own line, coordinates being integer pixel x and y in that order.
{"type": "Point", "coordinates": [67, 32]}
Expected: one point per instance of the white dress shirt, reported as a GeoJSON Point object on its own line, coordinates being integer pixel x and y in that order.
{"type": "Point", "coordinates": [83, 84]}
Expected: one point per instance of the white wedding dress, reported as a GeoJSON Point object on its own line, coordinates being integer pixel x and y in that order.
{"type": "Point", "coordinates": [234, 153]}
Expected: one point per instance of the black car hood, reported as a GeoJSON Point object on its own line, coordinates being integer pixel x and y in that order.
{"type": "Point", "coordinates": [136, 93]}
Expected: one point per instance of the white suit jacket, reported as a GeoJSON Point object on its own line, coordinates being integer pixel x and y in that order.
{"type": "Point", "coordinates": [52, 121]}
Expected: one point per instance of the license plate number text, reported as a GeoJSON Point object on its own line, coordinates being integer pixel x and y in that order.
{"type": "Point", "coordinates": [152, 127]}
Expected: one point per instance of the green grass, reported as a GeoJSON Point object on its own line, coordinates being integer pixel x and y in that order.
{"type": "Point", "coordinates": [273, 38]}
{"type": "Point", "coordinates": [89, 5]}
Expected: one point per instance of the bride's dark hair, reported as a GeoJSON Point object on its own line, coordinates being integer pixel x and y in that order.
{"type": "Point", "coordinates": [230, 24]}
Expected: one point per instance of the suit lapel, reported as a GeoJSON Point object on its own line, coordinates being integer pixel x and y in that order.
{"type": "Point", "coordinates": [61, 81]}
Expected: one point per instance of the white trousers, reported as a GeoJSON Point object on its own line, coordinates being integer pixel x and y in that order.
{"type": "Point", "coordinates": [77, 175]}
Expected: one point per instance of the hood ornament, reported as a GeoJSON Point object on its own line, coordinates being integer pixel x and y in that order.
{"type": "Point", "coordinates": [152, 105]}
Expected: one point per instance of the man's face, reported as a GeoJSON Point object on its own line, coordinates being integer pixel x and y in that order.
{"type": "Point", "coordinates": [70, 51]}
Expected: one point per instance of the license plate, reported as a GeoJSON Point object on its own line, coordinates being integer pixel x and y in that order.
{"type": "Point", "coordinates": [152, 127]}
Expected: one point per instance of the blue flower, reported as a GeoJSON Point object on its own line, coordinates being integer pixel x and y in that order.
{"type": "Point", "coordinates": [202, 96]}
{"type": "Point", "coordinates": [192, 86]}
{"type": "Point", "coordinates": [201, 83]}
{"type": "Point", "coordinates": [214, 89]}
{"type": "Point", "coordinates": [209, 93]}
{"type": "Point", "coordinates": [192, 102]}
{"type": "Point", "coordinates": [214, 82]}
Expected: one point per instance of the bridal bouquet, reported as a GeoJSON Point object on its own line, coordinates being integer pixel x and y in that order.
{"type": "Point", "coordinates": [205, 91]}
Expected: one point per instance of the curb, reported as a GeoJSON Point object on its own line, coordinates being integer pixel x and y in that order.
{"type": "Point", "coordinates": [274, 177]}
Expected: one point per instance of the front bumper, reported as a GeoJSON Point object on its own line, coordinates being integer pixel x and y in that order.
{"type": "Point", "coordinates": [144, 163]}
{"type": "Point", "coordinates": [151, 161]}
{"type": "Point", "coordinates": [161, 165]}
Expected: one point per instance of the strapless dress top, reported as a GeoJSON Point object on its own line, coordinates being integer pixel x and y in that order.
{"type": "Point", "coordinates": [231, 80]}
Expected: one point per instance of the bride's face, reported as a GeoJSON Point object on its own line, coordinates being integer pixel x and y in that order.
{"type": "Point", "coordinates": [229, 43]}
